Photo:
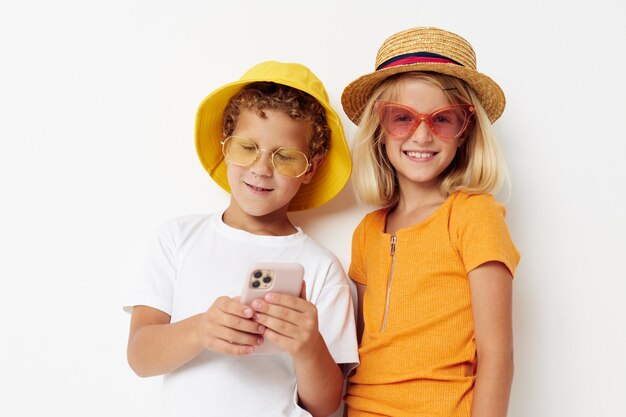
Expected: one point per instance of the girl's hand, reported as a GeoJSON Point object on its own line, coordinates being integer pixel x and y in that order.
{"type": "Point", "coordinates": [227, 327]}
{"type": "Point", "coordinates": [290, 322]}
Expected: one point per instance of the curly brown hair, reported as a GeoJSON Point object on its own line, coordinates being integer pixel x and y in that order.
{"type": "Point", "coordinates": [295, 103]}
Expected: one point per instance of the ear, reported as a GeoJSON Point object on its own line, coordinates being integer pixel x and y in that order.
{"type": "Point", "coordinates": [316, 163]}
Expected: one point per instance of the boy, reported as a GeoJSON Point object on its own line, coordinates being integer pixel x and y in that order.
{"type": "Point", "coordinates": [263, 138]}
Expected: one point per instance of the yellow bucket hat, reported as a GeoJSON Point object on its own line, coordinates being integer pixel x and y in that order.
{"type": "Point", "coordinates": [333, 173]}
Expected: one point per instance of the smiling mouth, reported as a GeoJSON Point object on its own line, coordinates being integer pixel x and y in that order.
{"type": "Point", "coordinates": [255, 188]}
{"type": "Point", "coordinates": [420, 155]}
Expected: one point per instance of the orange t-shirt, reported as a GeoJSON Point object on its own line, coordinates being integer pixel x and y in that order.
{"type": "Point", "coordinates": [417, 353]}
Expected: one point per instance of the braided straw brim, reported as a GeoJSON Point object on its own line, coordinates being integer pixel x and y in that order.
{"type": "Point", "coordinates": [431, 40]}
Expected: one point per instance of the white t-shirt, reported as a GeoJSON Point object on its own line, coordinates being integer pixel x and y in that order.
{"type": "Point", "coordinates": [194, 260]}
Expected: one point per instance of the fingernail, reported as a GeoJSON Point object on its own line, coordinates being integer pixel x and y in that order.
{"type": "Point", "coordinates": [269, 297]}
{"type": "Point", "coordinates": [247, 312]}
{"type": "Point", "coordinates": [256, 304]}
{"type": "Point", "coordinates": [255, 316]}
{"type": "Point", "coordinates": [249, 349]}
{"type": "Point", "coordinates": [259, 341]}
{"type": "Point", "coordinates": [261, 329]}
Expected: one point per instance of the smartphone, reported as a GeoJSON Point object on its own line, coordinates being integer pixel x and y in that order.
{"type": "Point", "coordinates": [263, 278]}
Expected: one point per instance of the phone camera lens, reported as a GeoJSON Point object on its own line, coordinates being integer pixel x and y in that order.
{"type": "Point", "coordinates": [255, 284]}
{"type": "Point", "coordinates": [267, 280]}
{"type": "Point", "coordinates": [258, 274]}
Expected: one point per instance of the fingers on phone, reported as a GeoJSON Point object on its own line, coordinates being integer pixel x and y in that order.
{"type": "Point", "coordinates": [286, 300]}
{"type": "Point", "coordinates": [242, 324]}
{"type": "Point", "coordinates": [289, 314]}
{"type": "Point", "coordinates": [303, 290]}
{"type": "Point", "coordinates": [276, 325]}
{"type": "Point", "coordinates": [233, 306]}
{"type": "Point", "coordinates": [231, 348]}
{"type": "Point", "coordinates": [279, 339]}
{"type": "Point", "coordinates": [234, 342]}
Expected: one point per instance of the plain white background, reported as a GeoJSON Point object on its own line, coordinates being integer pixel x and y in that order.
{"type": "Point", "coordinates": [97, 107]}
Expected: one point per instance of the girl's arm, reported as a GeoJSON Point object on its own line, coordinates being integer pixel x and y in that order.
{"type": "Point", "coordinates": [491, 291]}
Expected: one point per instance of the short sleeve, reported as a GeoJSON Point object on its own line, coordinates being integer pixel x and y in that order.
{"type": "Point", "coordinates": [154, 287]}
{"type": "Point", "coordinates": [356, 270]}
{"type": "Point", "coordinates": [336, 316]}
{"type": "Point", "coordinates": [480, 233]}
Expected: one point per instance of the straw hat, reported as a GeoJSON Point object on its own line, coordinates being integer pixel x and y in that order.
{"type": "Point", "coordinates": [424, 49]}
{"type": "Point", "coordinates": [330, 177]}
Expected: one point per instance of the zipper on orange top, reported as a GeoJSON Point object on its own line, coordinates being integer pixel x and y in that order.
{"type": "Point", "coordinates": [392, 253]}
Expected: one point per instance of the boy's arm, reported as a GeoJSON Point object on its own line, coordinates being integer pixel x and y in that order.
{"type": "Point", "coordinates": [291, 323]}
{"type": "Point", "coordinates": [491, 293]}
{"type": "Point", "coordinates": [156, 346]}
{"type": "Point", "coordinates": [319, 380]}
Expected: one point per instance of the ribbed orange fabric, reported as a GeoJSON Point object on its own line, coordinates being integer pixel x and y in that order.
{"type": "Point", "coordinates": [418, 353]}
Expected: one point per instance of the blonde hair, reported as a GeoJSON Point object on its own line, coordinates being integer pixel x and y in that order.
{"type": "Point", "coordinates": [478, 166]}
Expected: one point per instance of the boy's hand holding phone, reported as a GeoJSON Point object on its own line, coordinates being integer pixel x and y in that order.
{"type": "Point", "coordinates": [233, 327]}
{"type": "Point", "coordinates": [277, 293]}
{"type": "Point", "coordinates": [227, 327]}
{"type": "Point", "coordinates": [290, 322]}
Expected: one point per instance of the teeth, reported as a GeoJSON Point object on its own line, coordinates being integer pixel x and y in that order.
{"type": "Point", "coordinates": [259, 188]}
{"type": "Point", "coordinates": [420, 154]}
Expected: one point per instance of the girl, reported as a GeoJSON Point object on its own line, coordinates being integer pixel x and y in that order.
{"type": "Point", "coordinates": [434, 267]}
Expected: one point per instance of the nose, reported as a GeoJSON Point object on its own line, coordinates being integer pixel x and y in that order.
{"type": "Point", "coordinates": [263, 166]}
{"type": "Point", "coordinates": [422, 133]}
